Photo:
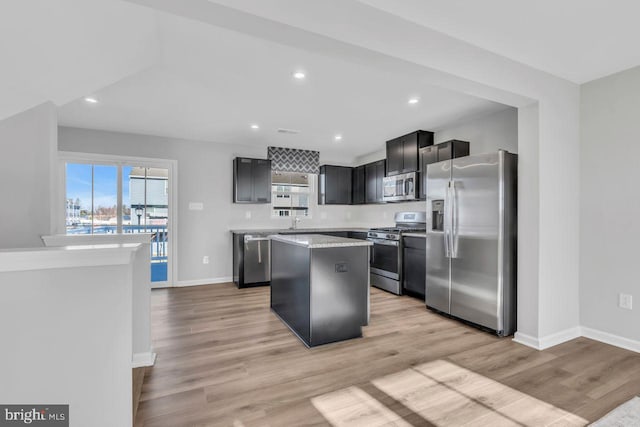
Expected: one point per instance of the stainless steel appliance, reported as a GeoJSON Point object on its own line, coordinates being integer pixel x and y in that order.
{"type": "Point", "coordinates": [471, 239]}
{"type": "Point", "coordinates": [386, 252]}
{"type": "Point", "coordinates": [257, 259]}
{"type": "Point", "coordinates": [398, 188]}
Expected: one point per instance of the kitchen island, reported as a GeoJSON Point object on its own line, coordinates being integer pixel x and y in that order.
{"type": "Point", "coordinates": [320, 286]}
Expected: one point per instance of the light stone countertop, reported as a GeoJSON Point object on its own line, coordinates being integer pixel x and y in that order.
{"type": "Point", "coordinates": [424, 235]}
{"type": "Point", "coordinates": [317, 241]}
{"type": "Point", "coordinates": [298, 230]}
{"type": "Point", "coordinates": [43, 258]}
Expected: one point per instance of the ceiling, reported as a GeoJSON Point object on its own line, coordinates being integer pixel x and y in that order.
{"type": "Point", "coordinates": [578, 40]}
{"type": "Point", "coordinates": [208, 69]}
{"type": "Point", "coordinates": [211, 84]}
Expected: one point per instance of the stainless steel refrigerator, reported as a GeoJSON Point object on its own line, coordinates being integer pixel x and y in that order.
{"type": "Point", "coordinates": [471, 239]}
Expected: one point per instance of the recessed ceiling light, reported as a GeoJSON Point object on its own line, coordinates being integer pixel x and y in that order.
{"type": "Point", "coordinates": [414, 100]}
{"type": "Point", "coordinates": [91, 100]}
{"type": "Point", "coordinates": [299, 75]}
{"type": "Point", "coordinates": [338, 137]}
{"type": "Point", "coordinates": [254, 126]}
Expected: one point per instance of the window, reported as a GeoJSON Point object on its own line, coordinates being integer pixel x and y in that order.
{"type": "Point", "coordinates": [290, 193]}
{"type": "Point", "coordinates": [120, 198]}
{"type": "Point", "coordinates": [91, 198]}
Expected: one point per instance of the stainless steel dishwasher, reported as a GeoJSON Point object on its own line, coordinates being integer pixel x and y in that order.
{"type": "Point", "coordinates": [257, 259]}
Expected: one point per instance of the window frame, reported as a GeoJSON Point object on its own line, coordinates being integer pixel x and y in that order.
{"type": "Point", "coordinates": [59, 207]}
{"type": "Point", "coordinates": [310, 185]}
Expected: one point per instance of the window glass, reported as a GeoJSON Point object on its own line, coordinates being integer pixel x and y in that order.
{"type": "Point", "coordinates": [290, 194]}
{"type": "Point", "coordinates": [79, 197]}
{"type": "Point", "coordinates": [105, 199]}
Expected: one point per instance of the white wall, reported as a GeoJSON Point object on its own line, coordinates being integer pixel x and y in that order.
{"type": "Point", "coordinates": [528, 205]}
{"type": "Point", "coordinates": [142, 350]}
{"type": "Point", "coordinates": [610, 203]}
{"type": "Point", "coordinates": [485, 134]}
{"type": "Point", "coordinates": [27, 144]}
{"type": "Point", "coordinates": [66, 319]}
{"type": "Point", "coordinates": [204, 175]}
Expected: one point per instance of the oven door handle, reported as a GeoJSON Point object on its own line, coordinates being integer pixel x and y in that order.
{"type": "Point", "coordinates": [384, 242]}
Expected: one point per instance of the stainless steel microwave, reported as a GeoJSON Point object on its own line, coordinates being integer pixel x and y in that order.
{"type": "Point", "coordinates": [400, 187]}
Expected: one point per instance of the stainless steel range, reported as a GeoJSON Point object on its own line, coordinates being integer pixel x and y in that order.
{"type": "Point", "coordinates": [386, 252]}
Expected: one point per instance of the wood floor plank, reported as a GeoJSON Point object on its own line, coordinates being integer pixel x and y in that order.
{"type": "Point", "coordinates": [225, 360]}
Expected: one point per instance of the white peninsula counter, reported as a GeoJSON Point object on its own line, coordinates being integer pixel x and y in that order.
{"type": "Point", "coordinates": [320, 286]}
{"type": "Point", "coordinates": [67, 326]}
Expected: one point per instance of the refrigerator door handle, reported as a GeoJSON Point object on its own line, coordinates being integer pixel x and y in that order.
{"type": "Point", "coordinates": [445, 234]}
{"type": "Point", "coordinates": [259, 252]}
{"type": "Point", "coordinates": [454, 221]}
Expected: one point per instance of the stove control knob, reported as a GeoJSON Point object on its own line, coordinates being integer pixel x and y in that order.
{"type": "Point", "coordinates": [390, 236]}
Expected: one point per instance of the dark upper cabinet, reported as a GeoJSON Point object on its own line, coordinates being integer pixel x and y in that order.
{"type": "Point", "coordinates": [340, 185]}
{"type": "Point", "coordinates": [242, 180]}
{"type": "Point", "coordinates": [437, 153]}
{"type": "Point", "coordinates": [403, 152]}
{"type": "Point", "coordinates": [452, 149]}
{"type": "Point", "coordinates": [251, 180]}
{"type": "Point", "coordinates": [395, 156]}
{"type": "Point", "coordinates": [358, 185]}
{"type": "Point", "coordinates": [334, 185]}
{"type": "Point", "coordinates": [374, 175]}
{"type": "Point", "coordinates": [410, 152]}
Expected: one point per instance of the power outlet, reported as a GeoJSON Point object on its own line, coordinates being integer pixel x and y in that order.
{"type": "Point", "coordinates": [625, 301]}
{"type": "Point", "coordinates": [205, 259]}
{"type": "Point", "coordinates": [247, 215]}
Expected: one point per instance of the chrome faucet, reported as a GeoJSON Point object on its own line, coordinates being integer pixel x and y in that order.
{"type": "Point", "coordinates": [294, 222]}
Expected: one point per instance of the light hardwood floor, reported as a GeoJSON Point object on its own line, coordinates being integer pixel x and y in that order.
{"type": "Point", "coordinates": [225, 360]}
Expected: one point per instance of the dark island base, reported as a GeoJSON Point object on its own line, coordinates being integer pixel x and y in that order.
{"type": "Point", "coordinates": [321, 294]}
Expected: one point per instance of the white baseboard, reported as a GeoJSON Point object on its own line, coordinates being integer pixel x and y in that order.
{"type": "Point", "coordinates": [559, 337]}
{"type": "Point", "coordinates": [527, 340]}
{"type": "Point", "coordinates": [200, 282]}
{"type": "Point", "coordinates": [612, 339]}
{"type": "Point", "coordinates": [143, 359]}
{"type": "Point", "coordinates": [569, 334]}
{"type": "Point", "coordinates": [549, 340]}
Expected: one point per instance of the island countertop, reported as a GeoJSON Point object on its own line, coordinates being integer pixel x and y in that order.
{"type": "Point", "coordinates": [317, 241]}
{"type": "Point", "coordinates": [414, 234]}
{"type": "Point", "coordinates": [298, 230]}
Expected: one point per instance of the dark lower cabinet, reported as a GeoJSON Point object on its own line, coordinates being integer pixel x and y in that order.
{"type": "Point", "coordinates": [360, 235]}
{"type": "Point", "coordinates": [251, 180]}
{"type": "Point", "coordinates": [374, 176]}
{"type": "Point", "coordinates": [414, 254]}
{"type": "Point", "coordinates": [334, 185]}
{"type": "Point", "coordinates": [335, 233]}
{"type": "Point", "coordinates": [437, 153]}
{"type": "Point", "coordinates": [358, 185]}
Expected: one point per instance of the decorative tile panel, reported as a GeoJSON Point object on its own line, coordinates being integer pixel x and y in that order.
{"type": "Point", "coordinates": [294, 160]}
